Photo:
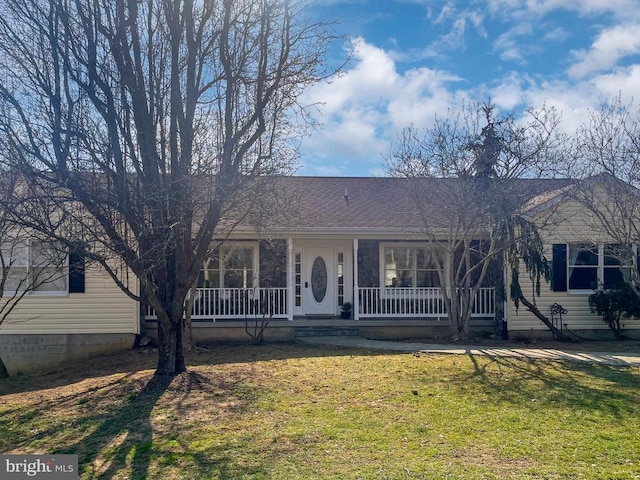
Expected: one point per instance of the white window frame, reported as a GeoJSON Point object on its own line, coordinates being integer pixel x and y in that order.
{"type": "Point", "coordinates": [254, 246]}
{"type": "Point", "coordinates": [600, 267]}
{"type": "Point", "coordinates": [414, 270]}
{"type": "Point", "coordinates": [64, 272]}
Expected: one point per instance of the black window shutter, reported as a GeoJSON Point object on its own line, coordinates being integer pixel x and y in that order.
{"type": "Point", "coordinates": [559, 278]}
{"type": "Point", "coordinates": [76, 273]}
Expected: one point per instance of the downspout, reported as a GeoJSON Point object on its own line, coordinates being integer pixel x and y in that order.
{"type": "Point", "coordinates": [140, 316]}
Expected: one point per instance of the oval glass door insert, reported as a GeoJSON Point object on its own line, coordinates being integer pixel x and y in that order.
{"type": "Point", "coordinates": [319, 279]}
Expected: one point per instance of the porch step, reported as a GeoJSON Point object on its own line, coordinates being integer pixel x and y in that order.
{"type": "Point", "coordinates": [326, 331]}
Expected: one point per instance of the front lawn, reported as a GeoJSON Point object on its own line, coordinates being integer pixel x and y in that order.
{"type": "Point", "coordinates": [304, 412]}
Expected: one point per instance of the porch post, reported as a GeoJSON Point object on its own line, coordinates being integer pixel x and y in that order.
{"type": "Point", "coordinates": [290, 280]}
{"type": "Point", "coordinates": [505, 304]}
{"type": "Point", "coordinates": [356, 293]}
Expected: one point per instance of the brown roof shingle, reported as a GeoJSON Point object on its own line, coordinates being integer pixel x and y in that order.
{"type": "Point", "coordinates": [388, 203]}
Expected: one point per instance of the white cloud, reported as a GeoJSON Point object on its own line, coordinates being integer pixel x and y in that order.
{"type": "Point", "coordinates": [383, 91]}
{"type": "Point", "coordinates": [611, 45]}
{"type": "Point", "coordinates": [374, 73]}
{"type": "Point", "coordinates": [455, 38]}
{"type": "Point", "coordinates": [572, 99]}
{"type": "Point", "coordinates": [510, 91]}
{"type": "Point", "coordinates": [527, 9]}
{"type": "Point", "coordinates": [623, 81]}
{"type": "Point", "coordinates": [446, 12]}
{"type": "Point", "coordinates": [556, 35]}
{"type": "Point", "coordinates": [421, 94]}
{"type": "Point", "coordinates": [369, 104]}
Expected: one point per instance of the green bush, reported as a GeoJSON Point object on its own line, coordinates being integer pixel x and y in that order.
{"type": "Point", "coordinates": [623, 301]}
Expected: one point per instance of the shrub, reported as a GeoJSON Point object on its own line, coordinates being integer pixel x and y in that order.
{"type": "Point", "coordinates": [623, 301]}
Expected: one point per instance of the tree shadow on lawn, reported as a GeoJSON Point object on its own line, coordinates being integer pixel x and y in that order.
{"type": "Point", "coordinates": [224, 353]}
{"type": "Point", "coordinates": [124, 441]}
{"type": "Point", "coordinates": [614, 390]}
{"type": "Point", "coordinates": [122, 364]}
{"type": "Point", "coordinates": [132, 427]}
{"type": "Point", "coordinates": [130, 362]}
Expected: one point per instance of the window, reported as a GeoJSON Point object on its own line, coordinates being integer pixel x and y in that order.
{"type": "Point", "coordinates": [47, 268]}
{"type": "Point", "coordinates": [210, 274]}
{"type": "Point", "coordinates": [618, 262]}
{"type": "Point", "coordinates": [408, 266]}
{"type": "Point", "coordinates": [298, 278]}
{"type": "Point", "coordinates": [426, 269]}
{"type": "Point", "coordinates": [15, 264]}
{"type": "Point", "coordinates": [236, 270]}
{"type": "Point", "coordinates": [39, 267]}
{"type": "Point", "coordinates": [584, 267]}
{"type": "Point", "coordinates": [340, 278]}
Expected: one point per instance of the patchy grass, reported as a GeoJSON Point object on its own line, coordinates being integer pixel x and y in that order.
{"type": "Point", "coordinates": [305, 412]}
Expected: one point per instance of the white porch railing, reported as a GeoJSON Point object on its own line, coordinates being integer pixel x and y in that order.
{"type": "Point", "coordinates": [386, 302]}
{"type": "Point", "coordinates": [236, 304]}
{"type": "Point", "coordinates": [376, 302]}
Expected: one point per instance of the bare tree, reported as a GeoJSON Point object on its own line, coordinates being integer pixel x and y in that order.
{"type": "Point", "coordinates": [145, 123]}
{"type": "Point", "coordinates": [478, 207]}
{"type": "Point", "coordinates": [474, 142]}
{"type": "Point", "coordinates": [607, 148]}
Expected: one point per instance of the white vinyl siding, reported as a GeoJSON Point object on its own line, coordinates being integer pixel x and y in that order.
{"type": "Point", "coordinates": [569, 225]}
{"type": "Point", "coordinates": [102, 308]}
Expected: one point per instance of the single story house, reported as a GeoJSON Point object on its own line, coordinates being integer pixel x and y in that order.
{"type": "Point", "coordinates": [356, 240]}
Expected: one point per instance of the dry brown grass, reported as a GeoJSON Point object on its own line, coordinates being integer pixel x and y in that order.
{"type": "Point", "coordinates": [303, 412]}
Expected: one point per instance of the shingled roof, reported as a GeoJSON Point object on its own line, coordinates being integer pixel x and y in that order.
{"type": "Point", "coordinates": [386, 203]}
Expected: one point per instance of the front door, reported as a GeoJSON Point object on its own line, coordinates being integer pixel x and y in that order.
{"type": "Point", "coordinates": [319, 282]}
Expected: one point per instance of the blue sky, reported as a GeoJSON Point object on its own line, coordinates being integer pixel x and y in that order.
{"type": "Point", "coordinates": [414, 59]}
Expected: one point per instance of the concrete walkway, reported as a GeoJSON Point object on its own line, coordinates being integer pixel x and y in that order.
{"type": "Point", "coordinates": [604, 358]}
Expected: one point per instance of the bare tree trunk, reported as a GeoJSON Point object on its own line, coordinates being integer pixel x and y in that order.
{"type": "Point", "coordinates": [187, 342]}
{"type": "Point", "coordinates": [170, 355]}
{"type": "Point", "coordinates": [3, 370]}
{"type": "Point", "coordinates": [467, 309]}
{"type": "Point", "coordinates": [533, 309]}
{"type": "Point", "coordinates": [454, 314]}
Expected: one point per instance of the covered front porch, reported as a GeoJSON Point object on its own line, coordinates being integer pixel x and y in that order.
{"type": "Point", "coordinates": [299, 279]}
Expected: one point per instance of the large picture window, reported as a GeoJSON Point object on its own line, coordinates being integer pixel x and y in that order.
{"type": "Point", "coordinates": [34, 266]}
{"type": "Point", "coordinates": [583, 267]}
{"type": "Point", "coordinates": [230, 267]}
{"type": "Point", "coordinates": [409, 266]}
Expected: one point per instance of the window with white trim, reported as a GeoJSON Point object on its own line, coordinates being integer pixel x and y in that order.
{"type": "Point", "coordinates": [583, 264]}
{"type": "Point", "coordinates": [232, 266]}
{"type": "Point", "coordinates": [298, 278]}
{"type": "Point", "coordinates": [340, 279]}
{"type": "Point", "coordinates": [408, 266]}
{"type": "Point", "coordinates": [589, 266]}
{"type": "Point", "coordinates": [35, 266]}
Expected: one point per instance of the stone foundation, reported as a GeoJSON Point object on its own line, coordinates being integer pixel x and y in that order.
{"type": "Point", "coordinates": [282, 330]}
{"type": "Point", "coordinates": [39, 353]}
